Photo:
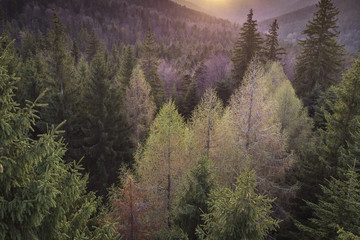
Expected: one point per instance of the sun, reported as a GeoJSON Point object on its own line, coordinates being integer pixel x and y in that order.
{"type": "Point", "coordinates": [215, 2]}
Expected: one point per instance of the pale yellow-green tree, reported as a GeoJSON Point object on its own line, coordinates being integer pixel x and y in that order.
{"type": "Point", "coordinates": [139, 105]}
{"type": "Point", "coordinates": [162, 161]}
{"type": "Point", "coordinates": [205, 118]}
{"type": "Point", "coordinates": [257, 130]}
{"type": "Point", "coordinates": [294, 120]}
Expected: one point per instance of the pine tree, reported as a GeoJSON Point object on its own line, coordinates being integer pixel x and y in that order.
{"type": "Point", "coordinates": [248, 44]}
{"type": "Point", "coordinates": [272, 49]}
{"type": "Point", "coordinates": [319, 64]}
{"type": "Point", "coordinates": [193, 201]}
{"type": "Point", "coordinates": [41, 196]}
{"type": "Point", "coordinates": [139, 106]}
{"type": "Point", "coordinates": [149, 64]}
{"type": "Point", "coordinates": [238, 212]}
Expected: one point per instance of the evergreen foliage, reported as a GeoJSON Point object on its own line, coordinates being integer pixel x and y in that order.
{"type": "Point", "coordinates": [149, 64]}
{"type": "Point", "coordinates": [248, 44]}
{"type": "Point", "coordinates": [338, 205]}
{"type": "Point", "coordinates": [105, 139]}
{"type": "Point", "coordinates": [319, 64]}
{"type": "Point", "coordinates": [41, 196]}
{"type": "Point", "coordinates": [272, 49]}
{"type": "Point", "coordinates": [194, 200]}
{"type": "Point", "coordinates": [238, 212]}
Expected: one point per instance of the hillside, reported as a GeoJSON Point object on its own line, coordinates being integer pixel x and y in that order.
{"type": "Point", "coordinates": [292, 24]}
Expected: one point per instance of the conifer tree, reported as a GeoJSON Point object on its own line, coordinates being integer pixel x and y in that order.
{"type": "Point", "coordinates": [129, 210]}
{"type": "Point", "coordinates": [338, 205]}
{"type": "Point", "coordinates": [238, 212]}
{"type": "Point", "coordinates": [326, 158]}
{"type": "Point", "coordinates": [41, 196]}
{"type": "Point", "coordinates": [93, 45]}
{"type": "Point", "coordinates": [126, 67]}
{"type": "Point", "coordinates": [104, 127]}
{"type": "Point", "coordinates": [139, 106]}
{"type": "Point", "coordinates": [248, 44]}
{"type": "Point", "coordinates": [319, 64]}
{"type": "Point", "coordinates": [204, 120]}
{"type": "Point", "coordinates": [272, 49]}
{"type": "Point", "coordinates": [161, 162]}
{"type": "Point", "coordinates": [149, 64]}
{"type": "Point", "coordinates": [194, 199]}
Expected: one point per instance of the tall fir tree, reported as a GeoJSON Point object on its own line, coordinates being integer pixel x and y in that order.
{"type": "Point", "coordinates": [93, 45]}
{"type": "Point", "coordinates": [238, 212]}
{"type": "Point", "coordinates": [325, 159]}
{"type": "Point", "coordinates": [319, 64]}
{"type": "Point", "coordinates": [149, 64]}
{"type": "Point", "coordinates": [194, 200]}
{"type": "Point", "coordinates": [272, 50]}
{"type": "Point", "coordinates": [104, 127]}
{"type": "Point", "coordinates": [41, 196]}
{"type": "Point", "coordinates": [338, 206]}
{"type": "Point", "coordinates": [127, 65]}
{"type": "Point", "coordinates": [248, 44]}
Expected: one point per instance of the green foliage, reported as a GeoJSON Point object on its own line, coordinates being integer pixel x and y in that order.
{"type": "Point", "coordinates": [238, 212]}
{"type": "Point", "coordinates": [272, 49]}
{"type": "Point", "coordinates": [41, 196]}
{"type": "Point", "coordinates": [105, 132]}
{"type": "Point", "coordinates": [248, 44]}
{"type": "Point", "coordinates": [193, 201]}
{"type": "Point", "coordinates": [319, 63]}
{"type": "Point", "coordinates": [126, 67]}
{"type": "Point", "coordinates": [339, 204]}
{"type": "Point", "coordinates": [149, 65]}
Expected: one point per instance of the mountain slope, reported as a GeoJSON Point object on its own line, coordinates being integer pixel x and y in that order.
{"type": "Point", "coordinates": [292, 24]}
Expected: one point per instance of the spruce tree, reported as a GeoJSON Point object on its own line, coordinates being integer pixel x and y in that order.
{"type": "Point", "coordinates": [104, 127]}
{"type": "Point", "coordinates": [272, 49]}
{"type": "Point", "coordinates": [194, 200]}
{"type": "Point", "coordinates": [126, 67]}
{"type": "Point", "coordinates": [93, 45]}
{"type": "Point", "coordinates": [248, 44]}
{"type": "Point", "coordinates": [319, 64]}
{"type": "Point", "coordinates": [238, 212]}
{"type": "Point", "coordinates": [326, 159]}
{"type": "Point", "coordinates": [338, 205]}
{"type": "Point", "coordinates": [41, 196]}
{"type": "Point", "coordinates": [149, 64]}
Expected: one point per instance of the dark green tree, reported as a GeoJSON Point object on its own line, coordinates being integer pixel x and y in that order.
{"type": "Point", "coordinates": [194, 200]}
{"type": "Point", "coordinates": [319, 64]}
{"type": "Point", "coordinates": [248, 44]}
{"type": "Point", "coordinates": [325, 159]}
{"type": "Point", "coordinates": [338, 205]}
{"type": "Point", "coordinates": [149, 64]}
{"type": "Point", "coordinates": [127, 65]}
{"type": "Point", "coordinates": [238, 212]}
{"type": "Point", "coordinates": [93, 45]}
{"type": "Point", "coordinates": [272, 50]}
{"type": "Point", "coordinates": [104, 127]}
{"type": "Point", "coordinates": [41, 196]}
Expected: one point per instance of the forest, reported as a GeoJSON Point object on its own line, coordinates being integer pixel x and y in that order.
{"type": "Point", "coordinates": [144, 119]}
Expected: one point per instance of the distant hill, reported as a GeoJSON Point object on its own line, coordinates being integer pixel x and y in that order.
{"type": "Point", "coordinates": [292, 24]}
{"type": "Point", "coordinates": [237, 11]}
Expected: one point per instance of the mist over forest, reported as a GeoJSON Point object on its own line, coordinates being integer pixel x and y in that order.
{"type": "Point", "coordinates": [179, 119]}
